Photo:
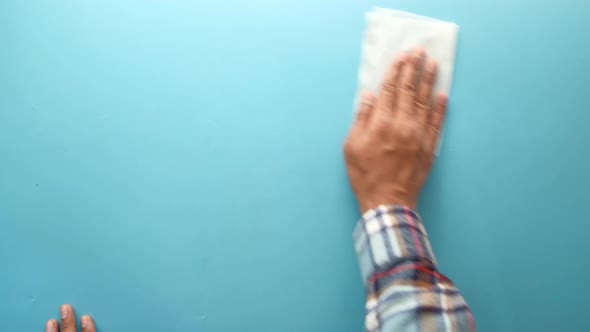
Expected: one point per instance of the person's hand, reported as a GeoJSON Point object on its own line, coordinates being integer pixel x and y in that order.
{"type": "Point", "coordinates": [390, 148]}
{"type": "Point", "coordinates": [68, 322]}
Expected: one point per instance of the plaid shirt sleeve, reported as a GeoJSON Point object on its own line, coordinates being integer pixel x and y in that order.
{"type": "Point", "coordinates": [405, 291]}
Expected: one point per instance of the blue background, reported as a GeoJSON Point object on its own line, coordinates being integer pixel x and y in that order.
{"type": "Point", "coordinates": [176, 165]}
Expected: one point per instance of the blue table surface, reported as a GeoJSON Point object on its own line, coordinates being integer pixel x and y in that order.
{"type": "Point", "coordinates": [176, 165]}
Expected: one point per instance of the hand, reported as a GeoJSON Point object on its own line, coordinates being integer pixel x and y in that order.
{"type": "Point", "coordinates": [390, 148]}
{"type": "Point", "coordinates": [68, 322]}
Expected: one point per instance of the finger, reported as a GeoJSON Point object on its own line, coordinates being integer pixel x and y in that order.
{"type": "Point", "coordinates": [436, 122]}
{"type": "Point", "coordinates": [51, 326]}
{"type": "Point", "coordinates": [409, 81]}
{"type": "Point", "coordinates": [366, 108]}
{"type": "Point", "coordinates": [425, 88]}
{"type": "Point", "coordinates": [87, 324]}
{"type": "Point", "coordinates": [68, 319]}
{"type": "Point", "coordinates": [389, 89]}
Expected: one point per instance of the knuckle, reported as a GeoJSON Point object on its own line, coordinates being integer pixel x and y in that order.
{"type": "Point", "coordinates": [383, 128]}
{"type": "Point", "coordinates": [361, 114]}
{"type": "Point", "coordinates": [437, 117]}
{"type": "Point", "coordinates": [349, 148]}
{"type": "Point", "coordinates": [413, 60]}
{"type": "Point", "coordinates": [346, 146]}
{"type": "Point", "coordinates": [389, 87]}
{"type": "Point", "coordinates": [67, 323]}
{"type": "Point", "coordinates": [422, 102]}
{"type": "Point", "coordinates": [409, 88]}
{"type": "Point", "coordinates": [68, 327]}
{"type": "Point", "coordinates": [408, 133]}
{"type": "Point", "coordinates": [435, 127]}
{"type": "Point", "coordinates": [428, 77]}
{"type": "Point", "coordinates": [440, 107]}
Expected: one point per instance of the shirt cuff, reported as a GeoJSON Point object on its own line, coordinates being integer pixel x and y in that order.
{"type": "Point", "coordinates": [387, 236]}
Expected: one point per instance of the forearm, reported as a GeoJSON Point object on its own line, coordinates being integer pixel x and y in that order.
{"type": "Point", "coordinates": [405, 291]}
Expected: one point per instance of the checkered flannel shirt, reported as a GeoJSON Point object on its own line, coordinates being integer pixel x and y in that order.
{"type": "Point", "coordinates": [405, 292]}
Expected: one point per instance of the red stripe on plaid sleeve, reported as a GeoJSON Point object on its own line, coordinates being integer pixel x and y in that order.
{"type": "Point", "coordinates": [399, 269]}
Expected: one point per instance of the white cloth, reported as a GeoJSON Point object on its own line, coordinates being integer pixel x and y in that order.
{"type": "Point", "coordinates": [390, 32]}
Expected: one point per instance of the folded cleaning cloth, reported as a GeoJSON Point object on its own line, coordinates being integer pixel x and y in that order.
{"type": "Point", "coordinates": [390, 32]}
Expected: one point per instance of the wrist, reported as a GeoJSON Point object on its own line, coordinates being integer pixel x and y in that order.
{"type": "Point", "coordinates": [368, 204]}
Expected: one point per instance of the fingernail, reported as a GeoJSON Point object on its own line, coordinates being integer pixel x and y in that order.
{"type": "Point", "coordinates": [420, 52]}
{"type": "Point", "coordinates": [431, 65]}
{"type": "Point", "coordinates": [367, 97]}
{"type": "Point", "coordinates": [50, 326]}
{"type": "Point", "coordinates": [84, 321]}
{"type": "Point", "coordinates": [64, 310]}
